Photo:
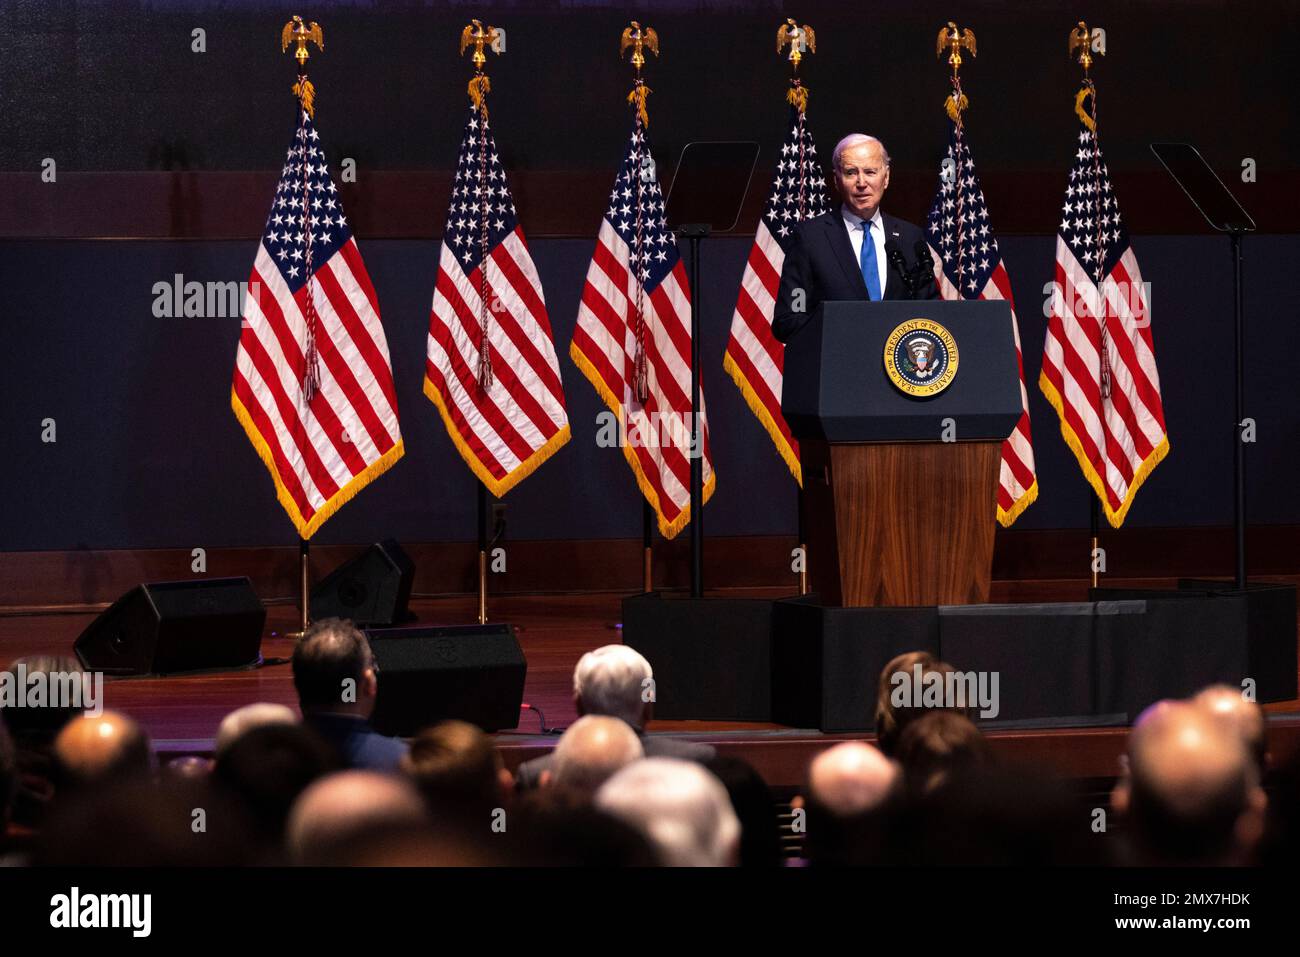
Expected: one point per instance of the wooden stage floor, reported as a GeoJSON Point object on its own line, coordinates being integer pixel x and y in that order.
{"type": "Point", "coordinates": [182, 713]}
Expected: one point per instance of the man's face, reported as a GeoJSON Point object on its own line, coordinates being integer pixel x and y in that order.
{"type": "Point", "coordinates": [862, 178]}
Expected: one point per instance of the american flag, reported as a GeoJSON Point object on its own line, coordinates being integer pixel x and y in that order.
{"type": "Point", "coordinates": [1099, 367]}
{"type": "Point", "coordinates": [313, 385]}
{"type": "Point", "coordinates": [754, 359]}
{"type": "Point", "coordinates": [970, 267]}
{"type": "Point", "coordinates": [503, 432]}
{"type": "Point", "coordinates": [628, 279]}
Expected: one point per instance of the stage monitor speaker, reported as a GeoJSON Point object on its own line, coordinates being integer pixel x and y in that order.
{"type": "Point", "coordinates": [473, 673]}
{"type": "Point", "coordinates": [371, 589]}
{"type": "Point", "coordinates": [170, 627]}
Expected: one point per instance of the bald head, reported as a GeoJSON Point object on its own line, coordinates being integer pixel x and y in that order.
{"type": "Point", "coordinates": [108, 747]}
{"type": "Point", "coordinates": [592, 750]}
{"type": "Point", "coordinates": [851, 778]}
{"type": "Point", "coordinates": [247, 718]}
{"type": "Point", "coordinates": [337, 810]}
{"type": "Point", "coordinates": [1193, 789]}
{"type": "Point", "coordinates": [1229, 706]}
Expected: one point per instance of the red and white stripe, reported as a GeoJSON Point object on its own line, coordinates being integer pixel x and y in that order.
{"type": "Point", "coordinates": [754, 359]}
{"type": "Point", "coordinates": [320, 453]}
{"type": "Point", "coordinates": [1018, 478]}
{"type": "Point", "coordinates": [1117, 438]}
{"type": "Point", "coordinates": [656, 436]}
{"type": "Point", "coordinates": [505, 432]}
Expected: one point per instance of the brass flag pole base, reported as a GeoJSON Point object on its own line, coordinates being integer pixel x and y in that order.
{"type": "Point", "coordinates": [482, 587]}
{"type": "Point", "coordinates": [303, 551]}
{"type": "Point", "coordinates": [803, 569]}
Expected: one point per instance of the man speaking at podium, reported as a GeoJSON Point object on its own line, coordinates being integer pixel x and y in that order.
{"type": "Point", "coordinates": [855, 251]}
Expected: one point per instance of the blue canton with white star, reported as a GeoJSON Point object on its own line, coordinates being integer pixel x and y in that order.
{"type": "Point", "coordinates": [658, 244]}
{"type": "Point", "coordinates": [477, 192]}
{"type": "Point", "coordinates": [1090, 221]}
{"type": "Point", "coordinates": [782, 212]}
{"type": "Point", "coordinates": [294, 208]}
{"type": "Point", "coordinates": [963, 239]}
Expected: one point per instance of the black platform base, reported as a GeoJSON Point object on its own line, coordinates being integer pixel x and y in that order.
{"type": "Point", "coordinates": [711, 656]}
{"type": "Point", "coordinates": [807, 665]}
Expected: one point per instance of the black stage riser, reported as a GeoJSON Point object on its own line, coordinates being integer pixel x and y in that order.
{"type": "Point", "coordinates": [807, 665]}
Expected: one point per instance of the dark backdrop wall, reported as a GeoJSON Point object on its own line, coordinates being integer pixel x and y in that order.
{"type": "Point", "coordinates": [167, 161]}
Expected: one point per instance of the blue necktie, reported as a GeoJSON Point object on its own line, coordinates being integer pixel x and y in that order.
{"type": "Point", "coordinates": [869, 271]}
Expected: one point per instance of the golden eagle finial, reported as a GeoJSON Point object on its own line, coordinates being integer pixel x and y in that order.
{"type": "Point", "coordinates": [296, 30]}
{"type": "Point", "coordinates": [636, 37]}
{"type": "Point", "coordinates": [1081, 41]}
{"type": "Point", "coordinates": [952, 40]}
{"type": "Point", "coordinates": [475, 34]}
{"type": "Point", "coordinates": [799, 38]}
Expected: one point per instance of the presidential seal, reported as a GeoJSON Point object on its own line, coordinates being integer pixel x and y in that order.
{"type": "Point", "coordinates": [921, 357]}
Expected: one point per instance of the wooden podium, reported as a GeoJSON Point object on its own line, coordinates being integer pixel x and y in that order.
{"type": "Point", "coordinates": [900, 492]}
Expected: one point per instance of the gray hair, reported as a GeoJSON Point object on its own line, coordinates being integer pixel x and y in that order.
{"type": "Point", "coordinates": [856, 139]}
{"type": "Point", "coordinates": [682, 809]}
{"type": "Point", "coordinates": [611, 681]}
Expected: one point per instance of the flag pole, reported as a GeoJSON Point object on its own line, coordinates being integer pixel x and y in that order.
{"type": "Point", "coordinates": [799, 39]}
{"type": "Point", "coordinates": [647, 549]}
{"type": "Point", "coordinates": [1239, 446]}
{"type": "Point", "coordinates": [803, 549]}
{"type": "Point", "coordinates": [482, 553]}
{"type": "Point", "coordinates": [1080, 39]}
{"type": "Point", "coordinates": [304, 561]}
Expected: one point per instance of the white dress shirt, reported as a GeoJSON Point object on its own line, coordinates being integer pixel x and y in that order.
{"type": "Point", "coordinates": [853, 223]}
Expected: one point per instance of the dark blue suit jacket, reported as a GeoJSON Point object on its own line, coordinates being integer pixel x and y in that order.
{"type": "Point", "coordinates": [357, 743]}
{"type": "Point", "coordinates": [820, 261]}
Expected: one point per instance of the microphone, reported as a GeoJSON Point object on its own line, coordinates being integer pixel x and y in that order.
{"type": "Point", "coordinates": [924, 261]}
{"type": "Point", "coordinates": [895, 256]}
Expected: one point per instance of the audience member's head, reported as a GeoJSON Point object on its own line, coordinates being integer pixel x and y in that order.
{"type": "Point", "coordinates": [1191, 791]}
{"type": "Point", "coordinates": [1228, 705]}
{"type": "Point", "coordinates": [989, 816]}
{"type": "Point", "coordinates": [247, 718]}
{"type": "Point", "coordinates": [849, 788]}
{"type": "Point", "coordinates": [332, 815]}
{"type": "Point", "coordinates": [851, 778]}
{"type": "Point", "coordinates": [935, 746]}
{"type": "Point", "coordinates": [142, 822]}
{"type": "Point", "coordinates": [613, 680]}
{"type": "Point", "coordinates": [591, 750]}
{"type": "Point", "coordinates": [891, 719]}
{"type": "Point", "coordinates": [456, 768]}
{"type": "Point", "coordinates": [265, 770]}
{"type": "Point", "coordinates": [334, 670]}
{"type": "Point", "coordinates": [682, 809]}
{"type": "Point", "coordinates": [559, 827]}
{"type": "Point", "coordinates": [37, 727]}
{"type": "Point", "coordinates": [110, 747]}
{"type": "Point", "coordinates": [751, 799]}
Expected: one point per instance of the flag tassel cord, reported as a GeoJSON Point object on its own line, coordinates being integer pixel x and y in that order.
{"type": "Point", "coordinates": [666, 529]}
